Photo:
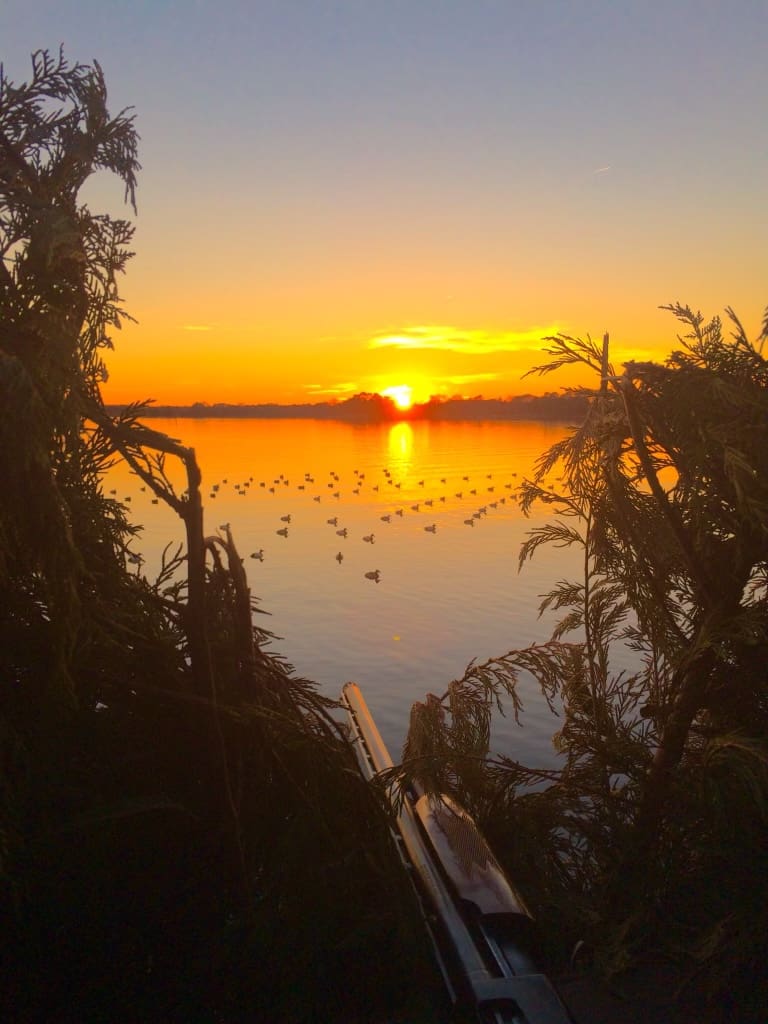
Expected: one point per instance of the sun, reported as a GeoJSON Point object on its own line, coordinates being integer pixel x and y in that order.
{"type": "Point", "coordinates": [401, 395]}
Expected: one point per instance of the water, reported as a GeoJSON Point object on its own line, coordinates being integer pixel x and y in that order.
{"type": "Point", "coordinates": [444, 596]}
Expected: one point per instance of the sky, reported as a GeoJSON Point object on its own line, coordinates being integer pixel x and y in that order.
{"type": "Point", "coordinates": [340, 196]}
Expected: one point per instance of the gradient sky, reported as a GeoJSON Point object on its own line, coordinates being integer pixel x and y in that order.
{"type": "Point", "coordinates": [346, 195]}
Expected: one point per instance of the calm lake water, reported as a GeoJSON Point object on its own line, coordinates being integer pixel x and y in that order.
{"type": "Point", "coordinates": [445, 595]}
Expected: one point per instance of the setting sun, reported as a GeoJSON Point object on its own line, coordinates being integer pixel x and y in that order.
{"type": "Point", "coordinates": [401, 395]}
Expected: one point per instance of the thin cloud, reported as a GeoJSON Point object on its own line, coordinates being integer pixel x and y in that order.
{"type": "Point", "coordinates": [343, 388]}
{"type": "Point", "coordinates": [469, 378]}
{"type": "Point", "coordinates": [196, 327]}
{"type": "Point", "coordinates": [603, 170]}
{"type": "Point", "coordinates": [469, 341]}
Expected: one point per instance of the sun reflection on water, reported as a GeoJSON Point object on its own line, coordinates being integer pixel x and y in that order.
{"type": "Point", "coordinates": [400, 447]}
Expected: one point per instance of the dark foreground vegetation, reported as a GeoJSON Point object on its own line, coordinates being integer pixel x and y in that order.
{"type": "Point", "coordinates": [183, 832]}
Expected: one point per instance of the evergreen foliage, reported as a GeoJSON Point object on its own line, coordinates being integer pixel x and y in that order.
{"type": "Point", "coordinates": [650, 838]}
{"type": "Point", "coordinates": [183, 831]}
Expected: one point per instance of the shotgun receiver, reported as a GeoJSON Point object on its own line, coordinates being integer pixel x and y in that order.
{"type": "Point", "coordinates": [481, 932]}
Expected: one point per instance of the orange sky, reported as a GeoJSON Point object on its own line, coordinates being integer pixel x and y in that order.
{"type": "Point", "coordinates": [307, 340]}
{"type": "Point", "coordinates": [347, 197]}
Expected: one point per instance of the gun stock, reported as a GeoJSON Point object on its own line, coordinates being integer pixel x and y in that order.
{"type": "Point", "coordinates": [481, 931]}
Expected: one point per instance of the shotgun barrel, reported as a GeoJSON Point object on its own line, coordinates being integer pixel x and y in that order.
{"type": "Point", "coordinates": [482, 934]}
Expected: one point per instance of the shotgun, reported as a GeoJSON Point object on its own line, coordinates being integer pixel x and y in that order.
{"type": "Point", "coordinates": [482, 934]}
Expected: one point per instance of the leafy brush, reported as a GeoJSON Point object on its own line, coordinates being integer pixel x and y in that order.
{"type": "Point", "coordinates": [663, 489]}
{"type": "Point", "coordinates": [181, 817]}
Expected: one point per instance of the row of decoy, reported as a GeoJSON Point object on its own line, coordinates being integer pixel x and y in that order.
{"type": "Point", "coordinates": [333, 484]}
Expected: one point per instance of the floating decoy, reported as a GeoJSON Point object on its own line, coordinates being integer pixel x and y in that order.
{"type": "Point", "coordinates": [333, 521]}
{"type": "Point", "coordinates": [429, 502]}
{"type": "Point", "coordinates": [285, 519]}
{"type": "Point", "coordinates": [316, 497]}
{"type": "Point", "coordinates": [375, 575]}
{"type": "Point", "coordinates": [465, 478]}
{"type": "Point", "coordinates": [259, 555]}
{"type": "Point", "coordinates": [432, 528]}
{"type": "Point", "coordinates": [283, 532]}
{"type": "Point", "coordinates": [442, 497]}
{"type": "Point", "coordinates": [339, 558]}
{"type": "Point", "coordinates": [155, 501]}
{"type": "Point", "coordinates": [386, 519]}
{"type": "Point", "coordinates": [399, 512]}
{"type": "Point", "coordinates": [415, 508]}
{"type": "Point", "coordinates": [459, 494]}
{"type": "Point", "coordinates": [337, 494]}
{"type": "Point", "coordinates": [342, 532]}
{"type": "Point", "coordinates": [421, 483]}
{"type": "Point", "coordinates": [473, 491]}
{"type": "Point", "coordinates": [443, 480]}
{"type": "Point", "coordinates": [469, 522]}
{"type": "Point", "coordinates": [368, 538]}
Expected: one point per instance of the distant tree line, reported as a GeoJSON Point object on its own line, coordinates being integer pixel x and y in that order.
{"type": "Point", "coordinates": [374, 408]}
